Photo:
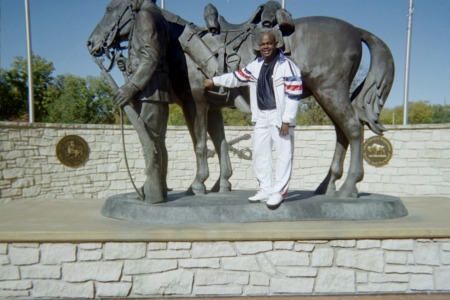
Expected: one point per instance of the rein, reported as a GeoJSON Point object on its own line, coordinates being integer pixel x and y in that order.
{"type": "Point", "coordinates": [108, 53]}
{"type": "Point", "coordinates": [115, 87]}
{"type": "Point", "coordinates": [109, 41]}
{"type": "Point", "coordinates": [141, 196]}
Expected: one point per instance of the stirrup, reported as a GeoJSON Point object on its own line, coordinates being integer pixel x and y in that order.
{"type": "Point", "coordinates": [217, 97]}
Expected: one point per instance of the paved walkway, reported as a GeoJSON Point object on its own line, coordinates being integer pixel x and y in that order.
{"type": "Point", "coordinates": [55, 220]}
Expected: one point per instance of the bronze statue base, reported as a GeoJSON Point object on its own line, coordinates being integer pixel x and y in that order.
{"type": "Point", "coordinates": [233, 207]}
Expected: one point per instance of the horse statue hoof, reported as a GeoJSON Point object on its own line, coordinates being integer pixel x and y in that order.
{"type": "Point", "coordinates": [344, 194]}
{"type": "Point", "coordinates": [196, 191]}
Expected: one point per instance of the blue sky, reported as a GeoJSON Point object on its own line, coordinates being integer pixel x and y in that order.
{"type": "Point", "coordinates": [60, 29]}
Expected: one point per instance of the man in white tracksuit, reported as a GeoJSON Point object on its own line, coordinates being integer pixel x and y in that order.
{"type": "Point", "coordinates": [275, 91]}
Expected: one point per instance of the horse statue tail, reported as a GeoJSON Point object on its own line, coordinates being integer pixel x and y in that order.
{"type": "Point", "coordinates": [370, 96]}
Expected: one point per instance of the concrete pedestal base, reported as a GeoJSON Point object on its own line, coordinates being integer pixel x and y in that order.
{"type": "Point", "coordinates": [233, 207]}
{"type": "Point", "coordinates": [64, 249]}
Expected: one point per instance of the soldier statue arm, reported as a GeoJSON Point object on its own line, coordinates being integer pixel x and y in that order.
{"type": "Point", "coordinates": [149, 33]}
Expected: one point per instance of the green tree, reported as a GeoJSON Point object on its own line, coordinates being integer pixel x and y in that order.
{"type": "Point", "coordinates": [176, 116]}
{"type": "Point", "coordinates": [441, 114]}
{"type": "Point", "coordinates": [72, 99]}
{"type": "Point", "coordinates": [310, 113]}
{"type": "Point", "coordinates": [234, 117]}
{"type": "Point", "coordinates": [231, 117]}
{"type": "Point", "coordinates": [14, 88]}
{"type": "Point", "coordinates": [420, 113]}
{"type": "Point", "coordinates": [392, 116]}
{"type": "Point", "coordinates": [101, 107]}
{"type": "Point", "coordinates": [11, 108]}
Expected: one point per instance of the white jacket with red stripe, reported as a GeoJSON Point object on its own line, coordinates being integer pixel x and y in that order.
{"type": "Point", "coordinates": [287, 85]}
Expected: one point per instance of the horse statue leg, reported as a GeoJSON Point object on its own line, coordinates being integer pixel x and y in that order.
{"type": "Point", "coordinates": [198, 135]}
{"type": "Point", "coordinates": [203, 119]}
{"type": "Point", "coordinates": [216, 131]}
{"type": "Point", "coordinates": [368, 100]}
{"type": "Point", "coordinates": [355, 133]}
{"type": "Point", "coordinates": [328, 185]}
{"type": "Point", "coordinates": [349, 131]}
{"type": "Point", "coordinates": [200, 146]}
{"type": "Point", "coordinates": [200, 121]}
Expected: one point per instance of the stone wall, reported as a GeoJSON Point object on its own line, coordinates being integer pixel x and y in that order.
{"type": "Point", "coordinates": [29, 167]}
{"type": "Point", "coordinates": [187, 269]}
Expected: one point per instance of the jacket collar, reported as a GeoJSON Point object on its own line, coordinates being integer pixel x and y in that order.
{"type": "Point", "coordinates": [281, 57]}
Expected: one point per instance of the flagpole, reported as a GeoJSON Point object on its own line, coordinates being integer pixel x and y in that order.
{"type": "Point", "coordinates": [30, 65]}
{"type": "Point", "coordinates": [408, 50]}
{"type": "Point", "coordinates": [283, 4]}
{"type": "Point", "coordinates": [163, 5]}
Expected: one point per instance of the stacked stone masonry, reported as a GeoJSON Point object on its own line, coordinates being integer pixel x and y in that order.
{"type": "Point", "coordinates": [29, 167]}
{"type": "Point", "coordinates": [199, 269]}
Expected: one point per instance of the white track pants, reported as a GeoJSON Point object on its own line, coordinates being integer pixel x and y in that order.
{"type": "Point", "coordinates": [267, 134]}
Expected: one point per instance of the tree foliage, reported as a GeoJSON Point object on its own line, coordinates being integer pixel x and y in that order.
{"type": "Point", "coordinates": [73, 99]}
{"type": "Point", "coordinates": [392, 116]}
{"type": "Point", "coordinates": [14, 88]}
{"type": "Point", "coordinates": [176, 117]}
{"type": "Point", "coordinates": [420, 112]}
{"type": "Point", "coordinates": [64, 99]}
{"type": "Point", "coordinates": [441, 113]}
{"type": "Point", "coordinates": [310, 113]}
{"type": "Point", "coordinates": [234, 117]}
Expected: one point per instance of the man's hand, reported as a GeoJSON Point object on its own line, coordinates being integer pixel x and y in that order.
{"type": "Point", "coordinates": [121, 63]}
{"type": "Point", "coordinates": [125, 94]}
{"type": "Point", "coordinates": [208, 84]}
{"type": "Point", "coordinates": [284, 131]}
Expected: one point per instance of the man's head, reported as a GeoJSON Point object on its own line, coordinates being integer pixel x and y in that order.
{"type": "Point", "coordinates": [268, 44]}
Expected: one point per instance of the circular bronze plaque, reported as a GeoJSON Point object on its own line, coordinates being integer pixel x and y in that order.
{"type": "Point", "coordinates": [72, 150]}
{"type": "Point", "coordinates": [377, 151]}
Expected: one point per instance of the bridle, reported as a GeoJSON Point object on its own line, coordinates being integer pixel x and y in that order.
{"type": "Point", "coordinates": [109, 43]}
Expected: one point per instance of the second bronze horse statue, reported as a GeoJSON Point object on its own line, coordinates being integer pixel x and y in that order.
{"type": "Point", "coordinates": [329, 53]}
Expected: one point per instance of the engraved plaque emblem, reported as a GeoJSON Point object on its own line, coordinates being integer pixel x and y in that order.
{"type": "Point", "coordinates": [72, 150]}
{"type": "Point", "coordinates": [377, 151]}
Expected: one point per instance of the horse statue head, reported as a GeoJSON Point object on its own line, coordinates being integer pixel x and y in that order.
{"type": "Point", "coordinates": [114, 27]}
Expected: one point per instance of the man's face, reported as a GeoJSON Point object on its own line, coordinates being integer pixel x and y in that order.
{"type": "Point", "coordinates": [268, 45]}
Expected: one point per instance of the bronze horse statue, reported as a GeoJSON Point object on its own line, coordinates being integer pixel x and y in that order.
{"type": "Point", "coordinates": [328, 51]}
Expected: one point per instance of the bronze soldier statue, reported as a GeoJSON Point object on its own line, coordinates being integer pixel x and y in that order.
{"type": "Point", "coordinates": [149, 91]}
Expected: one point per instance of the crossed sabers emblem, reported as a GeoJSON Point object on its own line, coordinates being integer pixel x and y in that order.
{"type": "Point", "coordinates": [245, 153]}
